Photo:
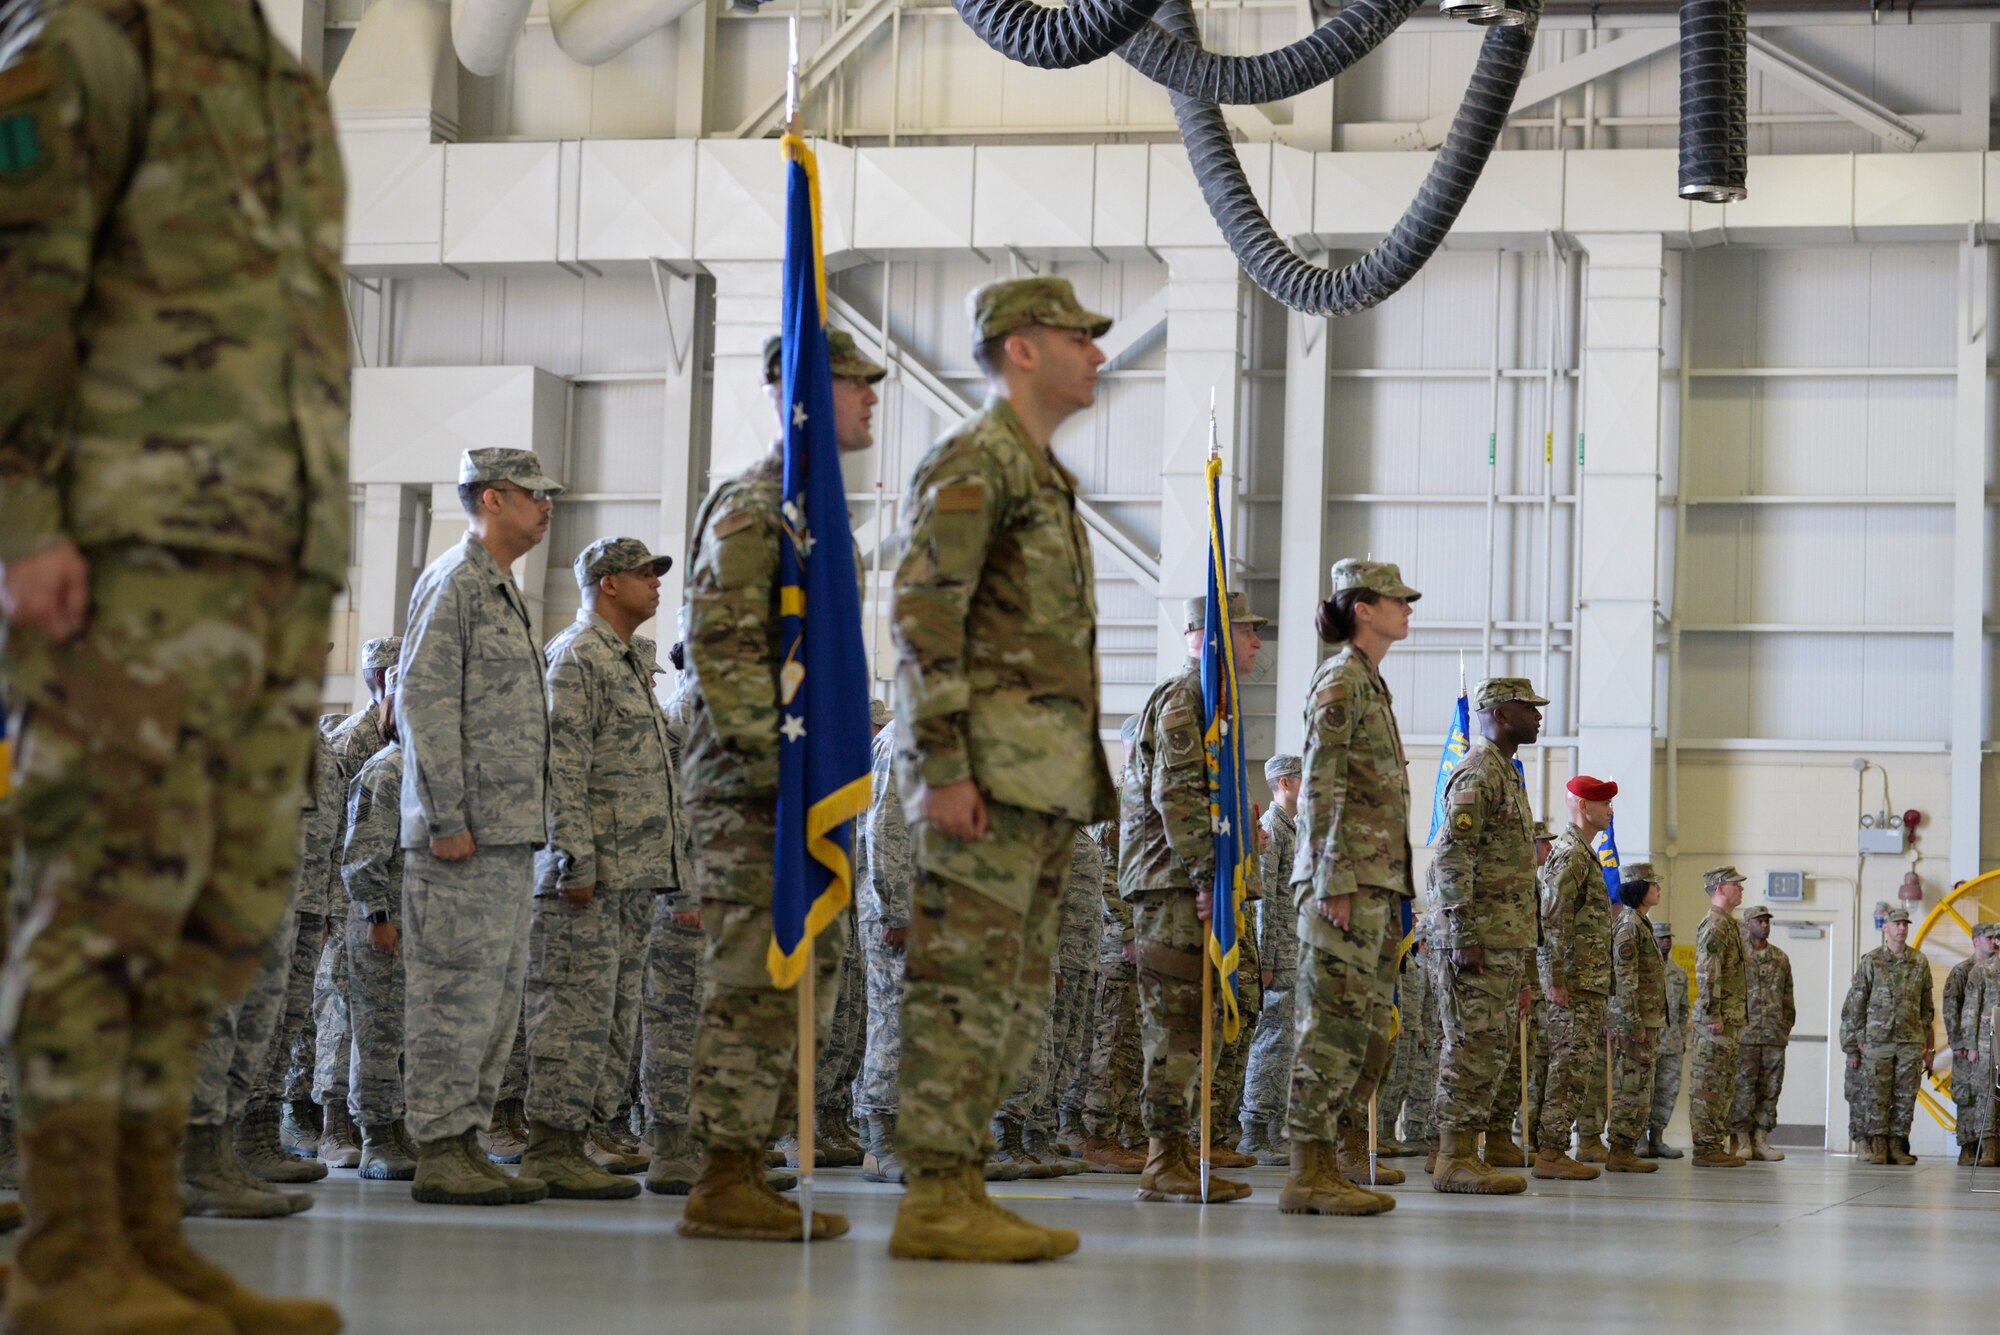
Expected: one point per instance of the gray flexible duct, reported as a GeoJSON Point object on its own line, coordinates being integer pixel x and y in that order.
{"type": "Point", "coordinates": [1055, 38]}
{"type": "Point", "coordinates": [1715, 77]}
{"type": "Point", "coordinates": [1183, 65]}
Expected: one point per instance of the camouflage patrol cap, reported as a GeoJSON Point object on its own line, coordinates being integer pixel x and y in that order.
{"type": "Point", "coordinates": [848, 363]}
{"type": "Point", "coordinates": [647, 652]}
{"type": "Point", "coordinates": [1239, 612]}
{"type": "Point", "coordinates": [1663, 928]}
{"type": "Point", "coordinates": [1716, 876]}
{"type": "Point", "coordinates": [1895, 915]}
{"type": "Point", "coordinates": [1496, 691]}
{"type": "Point", "coordinates": [1541, 833]}
{"type": "Point", "coordinates": [879, 713]}
{"type": "Point", "coordinates": [1638, 871]}
{"type": "Point", "coordinates": [493, 464]}
{"type": "Point", "coordinates": [615, 556]}
{"type": "Point", "coordinates": [1378, 577]}
{"type": "Point", "coordinates": [1281, 767]}
{"type": "Point", "coordinates": [1986, 929]}
{"type": "Point", "coordinates": [1001, 308]}
{"type": "Point", "coordinates": [381, 652]}
{"type": "Point", "coordinates": [1759, 911]}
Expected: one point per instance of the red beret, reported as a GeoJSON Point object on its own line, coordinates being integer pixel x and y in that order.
{"type": "Point", "coordinates": [1593, 790]}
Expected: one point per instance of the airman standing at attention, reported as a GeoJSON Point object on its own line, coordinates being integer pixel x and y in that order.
{"type": "Point", "coordinates": [1637, 1013]}
{"type": "Point", "coordinates": [1575, 967]}
{"type": "Point", "coordinates": [1720, 1008]}
{"type": "Point", "coordinates": [1969, 1066]}
{"type": "Point", "coordinates": [1673, 1048]}
{"type": "Point", "coordinates": [1760, 1053]}
{"type": "Point", "coordinates": [1885, 1030]}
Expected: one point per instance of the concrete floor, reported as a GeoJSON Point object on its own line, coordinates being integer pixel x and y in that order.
{"type": "Point", "coordinates": [1819, 1243]}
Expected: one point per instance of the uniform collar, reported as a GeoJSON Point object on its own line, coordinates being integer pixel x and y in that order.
{"type": "Point", "coordinates": [602, 629]}
{"type": "Point", "coordinates": [1047, 468]}
{"type": "Point", "coordinates": [489, 570]}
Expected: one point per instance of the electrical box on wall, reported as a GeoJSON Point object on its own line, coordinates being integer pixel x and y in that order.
{"type": "Point", "coordinates": [1784, 887]}
{"type": "Point", "coordinates": [1880, 839]}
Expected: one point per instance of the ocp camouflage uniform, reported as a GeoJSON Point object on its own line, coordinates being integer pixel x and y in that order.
{"type": "Point", "coordinates": [354, 739]}
{"type": "Point", "coordinates": [1353, 840]}
{"type": "Point", "coordinates": [1484, 880]}
{"type": "Point", "coordinates": [995, 625]}
{"type": "Point", "coordinates": [1982, 998]}
{"type": "Point", "coordinates": [1032, 1101]}
{"type": "Point", "coordinates": [1412, 1080]}
{"type": "Point", "coordinates": [1886, 1021]}
{"type": "Point", "coordinates": [371, 870]}
{"type": "Point", "coordinates": [670, 996]}
{"type": "Point", "coordinates": [1637, 1013]}
{"type": "Point", "coordinates": [1117, 1062]}
{"type": "Point", "coordinates": [1719, 998]}
{"type": "Point", "coordinates": [474, 723]}
{"type": "Point", "coordinates": [173, 400]}
{"type": "Point", "coordinates": [1960, 1034]}
{"type": "Point", "coordinates": [1673, 1048]}
{"type": "Point", "coordinates": [846, 1038]}
{"type": "Point", "coordinates": [1268, 1080]}
{"type": "Point", "coordinates": [1576, 954]}
{"type": "Point", "coordinates": [1760, 1052]}
{"type": "Point", "coordinates": [746, 1042]}
{"type": "Point", "coordinates": [612, 795]}
{"type": "Point", "coordinates": [882, 901]}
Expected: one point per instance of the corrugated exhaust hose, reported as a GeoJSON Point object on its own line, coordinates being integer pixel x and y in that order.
{"type": "Point", "coordinates": [1715, 77]}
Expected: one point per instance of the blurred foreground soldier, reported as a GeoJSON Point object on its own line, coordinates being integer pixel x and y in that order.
{"type": "Point", "coordinates": [611, 848]}
{"type": "Point", "coordinates": [1484, 880]}
{"type": "Point", "coordinates": [1575, 965]}
{"type": "Point", "coordinates": [1760, 1053]}
{"type": "Point", "coordinates": [173, 524]}
{"type": "Point", "coordinates": [1981, 1004]}
{"type": "Point", "coordinates": [1350, 876]}
{"type": "Point", "coordinates": [997, 694]}
{"type": "Point", "coordinates": [475, 728]}
{"type": "Point", "coordinates": [882, 900]}
{"type": "Point", "coordinates": [1166, 868]}
{"type": "Point", "coordinates": [746, 1042]}
{"type": "Point", "coordinates": [1969, 1066]}
{"type": "Point", "coordinates": [1885, 1030]}
{"type": "Point", "coordinates": [1267, 1084]}
{"type": "Point", "coordinates": [1673, 1047]}
{"type": "Point", "coordinates": [1720, 1008]}
{"type": "Point", "coordinates": [1637, 1014]}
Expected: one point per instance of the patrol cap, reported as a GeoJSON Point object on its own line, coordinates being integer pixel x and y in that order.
{"type": "Point", "coordinates": [1986, 929]}
{"type": "Point", "coordinates": [493, 464]}
{"type": "Point", "coordinates": [1128, 731]}
{"type": "Point", "coordinates": [1499, 690]}
{"type": "Point", "coordinates": [1281, 767]}
{"type": "Point", "coordinates": [1018, 303]}
{"type": "Point", "coordinates": [1239, 611]}
{"type": "Point", "coordinates": [1716, 876]}
{"type": "Point", "coordinates": [1896, 915]}
{"type": "Point", "coordinates": [1764, 911]}
{"type": "Point", "coordinates": [879, 713]}
{"type": "Point", "coordinates": [1590, 789]}
{"type": "Point", "coordinates": [615, 556]}
{"type": "Point", "coordinates": [647, 652]}
{"type": "Point", "coordinates": [1375, 576]}
{"type": "Point", "coordinates": [1638, 871]}
{"type": "Point", "coordinates": [848, 363]}
{"type": "Point", "coordinates": [381, 652]}
{"type": "Point", "coordinates": [1541, 833]}
{"type": "Point", "coordinates": [1663, 929]}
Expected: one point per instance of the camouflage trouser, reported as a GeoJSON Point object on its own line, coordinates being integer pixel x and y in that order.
{"type": "Point", "coordinates": [514, 1073]}
{"type": "Point", "coordinates": [987, 917]}
{"type": "Point", "coordinates": [1591, 1114]}
{"type": "Point", "coordinates": [580, 1004]}
{"type": "Point", "coordinates": [1760, 1078]}
{"type": "Point", "coordinates": [331, 1033]}
{"type": "Point", "coordinates": [1537, 1074]}
{"type": "Point", "coordinates": [1170, 937]}
{"type": "Point", "coordinates": [281, 1075]}
{"type": "Point", "coordinates": [1020, 1103]}
{"type": "Point", "coordinates": [840, 1062]}
{"type": "Point", "coordinates": [1116, 1059]}
{"type": "Point", "coordinates": [233, 1052]}
{"type": "Point", "coordinates": [1632, 1065]}
{"type": "Point", "coordinates": [1985, 1117]}
{"type": "Point", "coordinates": [157, 778]}
{"type": "Point", "coordinates": [1408, 1088]}
{"type": "Point", "coordinates": [1073, 1078]}
{"type": "Point", "coordinates": [1890, 1073]}
{"type": "Point", "coordinates": [465, 957]}
{"type": "Point", "coordinates": [875, 1088]}
{"type": "Point", "coordinates": [1267, 1081]}
{"type": "Point", "coordinates": [1967, 1080]}
{"type": "Point", "coordinates": [1477, 1019]}
{"type": "Point", "coordinates": [1345, 995]}
{"type": "Point", "coordinates": [375, 1000]}
{"type": "Point", "coordinates": [671, 1006]}
{"type": "Point", "coordinates": [1576, 1062]}
{"type": "Point", "coordinates": [1666, 1083]}
{"type": "Point", "coordinates": [1712, 1087]}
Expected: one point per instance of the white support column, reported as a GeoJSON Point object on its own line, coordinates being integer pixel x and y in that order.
{"type": "Point", "coordinates": [1619, 502]}
{"type": "Point", "coordinates": [683, 459]}
{"type": "Point", "coordinates": [1972, 446]}
{"type": "Point", "coordinates": [1302, 559]}
{"type": "Point", "coordinates": [1205, 330]}
{"type": "Point", "coordinates": [389, 564]}
{"type": "Point", "coordinates": [747, 301]}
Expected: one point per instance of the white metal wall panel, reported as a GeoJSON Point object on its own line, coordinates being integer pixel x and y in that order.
{"type": "Point", "coordinates": [1040, 200]}
{"type": "Point", "coordinates": [500, 203]}
{"type": "Point", "coordinates": [615, 438]}
{"type": "Point", "coordinates": [637, 199]}
{"type": "Point", "coordinates": [395, 199]}
{"type": "Point", "coordinates": [543, 315]}
{"type": "Point", "coordinates": [914, 199]}
{"type": "Point", "coordinates": [623, 329]}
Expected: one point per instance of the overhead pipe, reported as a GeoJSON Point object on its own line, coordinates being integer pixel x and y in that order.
{"type": "Point", "coordinates": [1715, 111]}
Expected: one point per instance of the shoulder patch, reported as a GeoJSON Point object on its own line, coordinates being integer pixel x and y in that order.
{"type": "Point", "coordinates": [1176, 718]}
{"type": "Point", "coordinates": [1462, 821]}
{"type": "Point", "coordinates": [965, 496]}
{"type": "Point", "coordinates": [1464, 797]}
{"type": "Point", "coordinates": [733, 523]}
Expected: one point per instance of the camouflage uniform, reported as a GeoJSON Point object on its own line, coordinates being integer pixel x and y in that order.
{"type": "Point", "coordinates": [612, 794]}
{"type": "Point", "coordinates": [1961, 1029]}
{"type": "Point", "coordinates": [1982, 997]}
{"type": "Point", "coordinates": [473, 719]}
{"type": "Point", "coordinates": [1353, 840]}
{"type": "Point", "coordinates": [1484, 880]}
{"type": "Point", "coordinates": [1412, 1080]}
{"type": "Point", "coordinates": [1760, 1052]}
{"type": "Point", "coordinates": [995, 625]}
{"type": "Point", "coordinates": [847, 1036]}
{"type": "Point", "coordinates": [670, 997]}
{"type": "Point", "coordinates": [882, 901]}
{"type": "Point", "coordinates": [173, 400]}
{"type": "Point", "coordinates": [746, 1041]}
{"type": "Point", "coordinates": [1886, 1021]}
{"type": "Point", "coordinates": [1719, 998]}
{"type": "Point", "coordinates": [371, 869]}
{"type": "Point", "coordinates": [1575, 953]}
{"type": "Point", "coordinates": [1268, 1080]}
{"type": "Point", "coordinates": [1117, 1063]}
{"type": "Point", "coordinates": [1673, 1048]}
{"type": "Point", "coordinates": [1032, 1101]}
{"type": "Point", "coordinates": [1637, 1013]}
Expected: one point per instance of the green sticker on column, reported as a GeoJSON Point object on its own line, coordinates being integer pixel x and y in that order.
{"type": "Point", "coordinates": [20, 144]}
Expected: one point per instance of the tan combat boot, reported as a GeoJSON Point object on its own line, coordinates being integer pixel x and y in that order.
{"type": "Point", "coordinates": [1761, 1149]}
{"type": "Point", "coordinates": [150, 1207]}
{"type": "Point", "coordinates": [1589, 1149]}
{"type": "Point", "coordinates": [1968, 1155]}
{"type": "Point", "coordinates": [1899, 1151]}
{"type": "Point", "coordinates": [939, 1220]}
{"type": "Point", "coordinates": [505, 1140]}
{"type": "Point", "coordinates": [1878, 1150]}
{"type": "Point", "coordinates": [557, 1158]}
{"type": "Point", "coordinates": [1714, 1156]}
{"type": "Point", "coordinates": [75, 1271]}
{"type": "Point", "coordinates": [1622, 1159]}
{"type": "Point", "coordinates": [615, 1149]}
{"type": "Point", "coordinates": [1431, 1157]}
{"type": "Point", "coordinates": [340, 1141]}
{"type": "Point", "coordinates": [674, 1164]}
{"type": "Point", "coordinates": [1739, 1144]}
{"type": "Point", "coordinates": [1220, 1155]}
{"type": "Point", "coordinates": [1461, 1171]}
{"type": "Point", "coordinates": [1101, 1154]}
{"type": "Point", "coordinates": [1501, 1151]}
{"type": "Point", "coordinates": [1352, 1157]}
{"type": "Point", "coordinates": [1012, 1150]}
{"type": "Point", "coordinates": [1169, 1176]}
{"type": "Point", "coordinates": [731, 1200]}
{"type": "Point", "coordinates": [1553, 1164]}
{"type": "Point", "coordinates": [880, 1163]}
{"type": "Point", "coordinates": [1317, 1186]}
{"type": "Point", "coordinates": [1989, 1153]}
{"type": "Point", "coordinates": [1056, 1242]}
